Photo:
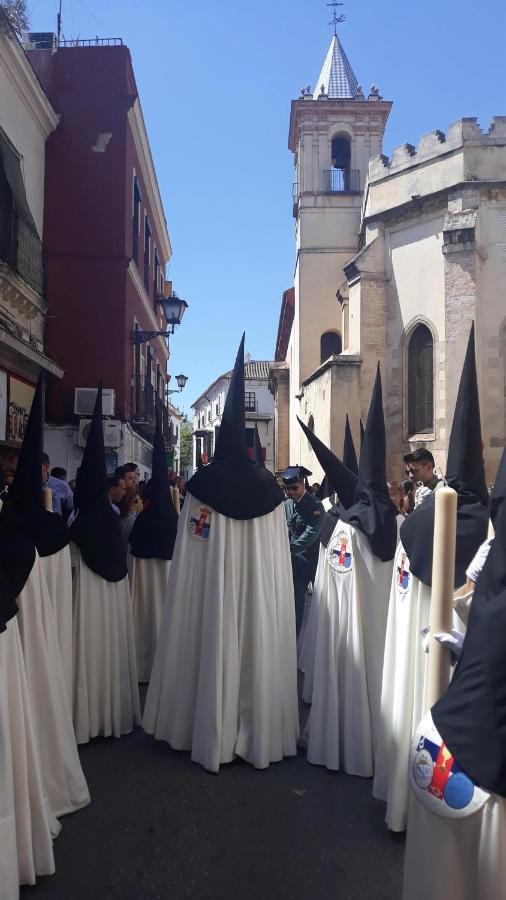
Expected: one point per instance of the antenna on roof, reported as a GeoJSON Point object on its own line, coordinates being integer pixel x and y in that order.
{"type": "Point", "coordinates": [336, 19]}
{"type": "Point", "coordinates": [58, 26]}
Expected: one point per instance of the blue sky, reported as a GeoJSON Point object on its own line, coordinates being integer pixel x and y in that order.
{"type": "Point", "coordinates": [216, 80]}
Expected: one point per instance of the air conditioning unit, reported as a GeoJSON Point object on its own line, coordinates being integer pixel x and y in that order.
{"type": "Point", "coordinates": [39, 40]}
{"type": "Point", "coordinates": [84, 401]}
{"type": "Point", "coordinates": [111, 428]}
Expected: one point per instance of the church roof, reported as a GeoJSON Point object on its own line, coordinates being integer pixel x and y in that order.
{"type": "Point", "coordinates": [337, 76]}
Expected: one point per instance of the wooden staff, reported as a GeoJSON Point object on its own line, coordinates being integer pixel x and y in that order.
{"type": "Point", "coordinates": [175, 499]}
{"type": "Point", "coordinates": [441, 603]}
{"type": "Point", "coordinates": [47, 498]}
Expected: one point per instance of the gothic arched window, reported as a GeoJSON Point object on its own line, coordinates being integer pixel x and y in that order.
{"type": "Point", "coordinates": [330, 344]}
{"type": "Point", "coordinates": [421, 381]}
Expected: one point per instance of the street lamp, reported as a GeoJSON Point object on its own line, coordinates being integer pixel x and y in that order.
{"type": "Point", "coordinates": [173, 309]}
{"type": "Point", "coordinates": [181, 384]}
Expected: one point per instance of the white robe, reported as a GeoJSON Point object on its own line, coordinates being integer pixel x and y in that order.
{"type": "Point", "coordinates": [224, 681]}
{"type": "Point", "coordinates": [403, 689]}
{"type": "Point", "coordinates": [26, 823]}
{"type": "Point", "coordinates": [149, 585]}
{"type": "Point", "coordinates": [307, 639]}
{"type": "Point", "coordinates": [106, 694]}
{"type": "Point", "coordinates": [462, 858]}
{"type": "Point", "coordinates": [58, 575]}
{"type": "Point", "coordinates": [62, 774]}
{"type": "Point", "coordinates": [343, 724]}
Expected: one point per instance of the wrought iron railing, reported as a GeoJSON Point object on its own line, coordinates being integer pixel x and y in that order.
{"type": "Point", "coordinates": [341, 181]}
{"type": "Point", "coordinates": [21, 248]}
{"type": "Point", "coordinates": [251, 406]}
{"type": "Point", "coordinates": [91, 42]}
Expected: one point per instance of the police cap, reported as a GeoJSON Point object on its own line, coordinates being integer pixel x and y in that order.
{"type": "Point", "coordinates": [294, 474]}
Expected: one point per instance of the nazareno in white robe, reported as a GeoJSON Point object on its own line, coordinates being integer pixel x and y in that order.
{"type": "Point", "coordinates": [106, 694]}
{"type": "Point", "coordinates": [462, 858]}
{"type": "Point", "coordinates": [26, 822]}
{"type": "Point", "coordinates": [403, 689]}
{"type": "Point", "coordinates": [306, 645]}
{"type": "Point", "coordinates": [149, 586]}
{"type": "Point", "coordinates": [224, 681]}
{"type": "Point", "coordinates": [342, 730]}
{"type": "Point", "coordinates": [62, 774]}
{"type": "Point", "coordinates": [58, 574]}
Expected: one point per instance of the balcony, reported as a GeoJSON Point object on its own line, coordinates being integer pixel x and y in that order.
{"type": "Point", "coordinates": [20, 245]}
{"type": "Point", "coordinates": [341, 181]}
{"type": "Point", "coordinates": [146, 403]}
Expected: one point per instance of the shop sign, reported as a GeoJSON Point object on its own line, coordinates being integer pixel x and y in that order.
{"type": "Point", "coordinates": [20, 401]}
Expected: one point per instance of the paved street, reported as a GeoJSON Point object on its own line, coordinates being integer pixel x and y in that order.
{"type": "Point", "coordinates": [161, 827]}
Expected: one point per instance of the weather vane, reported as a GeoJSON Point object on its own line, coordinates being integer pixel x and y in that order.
{"type": "Point", "coordinates": [337, 19]}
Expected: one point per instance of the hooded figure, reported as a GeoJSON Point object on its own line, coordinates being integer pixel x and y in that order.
{"type": "Point", "coordinates": [405, 668]}
{"type": "Point", "coordinates": [26, 823]}
{"type": "Point", "coordinates": [106, 696]}
{"type": "Point", "coordinates": [258, 455]}
{"type": "Point", "coordinates": [343, 482]}
{"type": "Point", "coordinates": [62, 776]}
{"type": "Point", "coordinates": [349, 454]}
{"type": "Point", "coordinates": [47, 530]}
{"type": "Point", "coordinates": [344, 722]}
{"type": "Point", "coordinates": [224, 680]}
{"type": "Point", "coordinates": [152, 540]}
{"type": "Point", "coordinates": [466, 858]}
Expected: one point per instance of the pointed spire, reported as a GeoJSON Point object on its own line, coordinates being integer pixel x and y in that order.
{"type": "Point", "coordinates": [349, 454]}
{"type": "Point", "coordinates": [342, 480]}
{"type": "Point", "coordinates": [257, 448]}
{"type": "Point", "coordinates": [464, 468]}
{"type": "Point", "coordinates": [27, 485]}
{"type": "Point", "coordinates": [92, 477]}
{"type": "Point", "coordinates": [231, 442]}
{"type": "Point", "coordinates": [372, 469]}
{"type": "Point", "coordinates": [337, 76]}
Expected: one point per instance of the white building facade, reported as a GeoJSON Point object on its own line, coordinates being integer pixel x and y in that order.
{"type": "Point", "coordinates": [259, 409]}
{"type": "Point", "coordinates": [395, 260]}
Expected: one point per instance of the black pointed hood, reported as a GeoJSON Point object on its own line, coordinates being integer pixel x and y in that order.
{"type": "Point", "coordinates": [349, 454]}
{"type": "Point", "coordinates": [499, 491]}
{"type": "Point", "coordinates": [471, 715]}
{"type": "Point", "coordinates": [466, 474]}
{"type": "Point", "coordinates": [232, 484]}
{"type": "Point", "coordinates": [154, 531]}
{"type": "Point", "coordinates": [343, 481]}
{"type": "Point", "coordinates": [17, 556]}
{"type": "Point", "coordinates": [96, 529]}
{"type": "Point", "coordinates": [373, 513]}
{"type": "Point", "coordinates": [47, 530]}
{"type": "Point", "coordinates": [361, 434]}
{"type": "Point", "coordinates": [325, 489]}
{"type": "Point", "coordinates": [257, 448]}
{"type": "Point", "coordinates": [8, 605]}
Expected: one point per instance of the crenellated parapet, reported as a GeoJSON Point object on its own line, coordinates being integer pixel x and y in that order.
{"type": "Point", "coordinates": [465, 132]}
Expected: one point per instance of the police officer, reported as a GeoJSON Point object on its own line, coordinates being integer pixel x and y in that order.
{"type": "Point", "coordinates": [305, 516]}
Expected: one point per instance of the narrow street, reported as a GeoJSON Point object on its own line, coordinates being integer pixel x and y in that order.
{"type": "Point", "coordinates": [161, 827]}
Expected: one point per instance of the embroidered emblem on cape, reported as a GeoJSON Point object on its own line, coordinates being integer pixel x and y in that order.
{"type": "Point", "coordinates": [402, 572]}
{"type": "Point", "coordinates": [199, 525]}
{"type": "Point", "coordinates": [437, 779]}
{"type": "Point", "coordinates": [339, 553]}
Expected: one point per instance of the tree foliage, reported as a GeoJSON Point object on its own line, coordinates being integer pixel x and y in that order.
{"type": "Point", "coordinates": [17, 13]}
{"type": "Point", "coordinates": [186, 445]}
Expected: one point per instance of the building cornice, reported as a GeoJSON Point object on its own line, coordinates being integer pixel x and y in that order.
{"type": "Point", "coordinates": [141, 290]}
{"type": "Point", "coordinates": [140, 136]}
{"type": "Point", "coordinates": [336, 361]}
{"type": "Point", "coordinates": [18, 70]}
{"type": "Point", "coordinates": [29, 353]}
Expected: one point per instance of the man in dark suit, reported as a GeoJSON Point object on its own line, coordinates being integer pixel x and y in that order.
{"type": "Point", "coordinates": [305, 516]}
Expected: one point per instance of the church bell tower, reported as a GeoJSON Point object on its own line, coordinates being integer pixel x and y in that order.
{"type": "Point", "coordinates": [334, 131]}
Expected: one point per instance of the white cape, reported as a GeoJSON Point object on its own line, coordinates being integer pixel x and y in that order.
{"type": "Point", "coordinates": [344, 720]}
{"type": "Point", "coordinates": [26, 847]}
{"type": "Point", "coordinates": [462, 858]}
{"type": "Point", "coordinates": [149, 585]}
{"type": "Point", "coordinates": [62, 775]}
{"type": "Point", "coordinates": [306, 644]}
{"type": "Point", "coordinates": [403, 690]}
{"type": "Point", "coordinates": [224, 681]}
{"type": "Point", "coordinates": [58, 574]}
{"type": "Point", "coordinates": [106, 694]}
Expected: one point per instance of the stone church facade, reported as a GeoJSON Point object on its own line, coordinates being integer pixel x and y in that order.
{"type": "Point", "coordinates": [395, 258]}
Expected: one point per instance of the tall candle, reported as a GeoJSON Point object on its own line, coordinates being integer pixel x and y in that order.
{"type": "Point", "coordinates": [47, 498]}
{"type": "Point", "coordinates": [175, 499]}
{"type": "Point", "coordinates": [441, 603]}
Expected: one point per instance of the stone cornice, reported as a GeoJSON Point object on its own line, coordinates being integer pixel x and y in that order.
{"type": "Point", "coordinates": [29, 353]}
{"type": "Point", "coordinates": [17, 67]}
{"type": "Point", "coordinates": [141, 290]}
{"type": "Point", "coordinates": [139, 133]}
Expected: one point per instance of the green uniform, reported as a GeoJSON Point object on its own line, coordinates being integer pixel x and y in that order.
{"type": "Point", "coordinates": [305, 521]}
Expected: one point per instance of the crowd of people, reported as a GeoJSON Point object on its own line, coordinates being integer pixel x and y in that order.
{"type": "Point", "coordinates": [217, 602]}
